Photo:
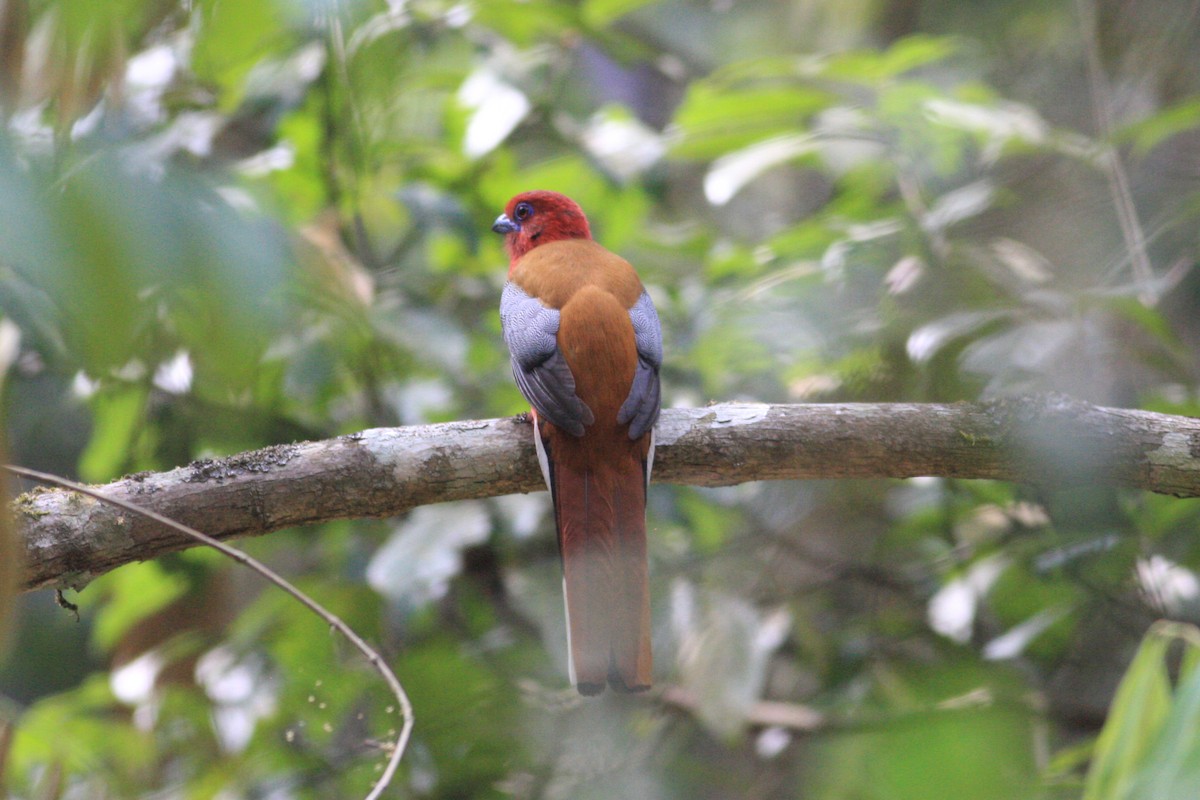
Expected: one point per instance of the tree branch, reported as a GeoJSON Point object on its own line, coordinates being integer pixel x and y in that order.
{"type": "Point", "coordinates": [70, 539]}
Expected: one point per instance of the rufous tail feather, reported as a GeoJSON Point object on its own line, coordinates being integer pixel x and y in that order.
{"type": "Point", "coordinates": [601, 517]}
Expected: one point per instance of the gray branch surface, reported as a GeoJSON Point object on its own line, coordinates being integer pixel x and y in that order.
{"type": "Point", "coordinates": [382, 472]}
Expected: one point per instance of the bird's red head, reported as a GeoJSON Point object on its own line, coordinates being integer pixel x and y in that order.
{"type": "Point", "coordinates": [535, 218]}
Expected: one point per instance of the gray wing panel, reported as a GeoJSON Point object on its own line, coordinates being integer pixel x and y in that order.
{"type": "Point", "coordinates": [641, 407]}
{"type": "Point", "coordinates": [541, 372]}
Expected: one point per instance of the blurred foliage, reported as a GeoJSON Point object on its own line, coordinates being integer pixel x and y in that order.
{"type": "Point", "coordinates": [1148, 747]}
{"type": "Point", "coordinates": [228, 225]}
{"type": "Point", "coordinates": [10, 561]}
{"type": "Point", "coordinates": [10, 544]}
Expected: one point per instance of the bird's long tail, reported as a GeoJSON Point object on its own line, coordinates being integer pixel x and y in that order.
{"type": "Point", "coordinates": [600, 512]}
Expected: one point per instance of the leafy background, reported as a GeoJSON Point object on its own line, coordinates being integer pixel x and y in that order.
{"type": "Point", "coordinates": [232, 224]}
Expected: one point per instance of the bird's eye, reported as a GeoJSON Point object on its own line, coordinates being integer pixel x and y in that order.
{"type": "Point", "coordinates": [523, 211]}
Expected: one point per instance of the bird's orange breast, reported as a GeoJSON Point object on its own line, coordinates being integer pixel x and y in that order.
{"type": "Point", "coordinates": [555, 271]}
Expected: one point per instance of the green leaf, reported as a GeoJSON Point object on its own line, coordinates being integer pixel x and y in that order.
{"type": "Point", "coordinates": [1139, 708]}
{"type": "Point", "coordinates": [1150, 320]}
{"type": "Point", "coordinates": [232, 38]}
{"type": "Point", "coordinates": [946, 736]}
{"type": "Point", "coordinates": [104, 248]}
{"type": "Point", "coordinates": [869, 66]}
{"type": "Point", "coordinates": [602, 13]}
{"type": "Point", "coordinates": [1170, 770]}
{"type": "Point", "coordinates": [531, 22]}
{"type": "Point", "coordinates": [116, 419]}
{"type": "Point", "coordinates": [715, 119]}
{"type": "Point", "coordinates": [134, 593]}
{"type": "Point", "coordinates": [709, 524]}
{"type": "Point", "coordinates": [903, 105]}
{"type": "Point", "coordinates": [725, 354]}
{"type": "Point", "coordinates": [1149, 133]}
{"type": "Point", "coordinates": [79, 731]}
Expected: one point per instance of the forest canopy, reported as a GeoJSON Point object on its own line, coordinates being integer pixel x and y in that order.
{"type": "Point", "coordinates": [231, 225]}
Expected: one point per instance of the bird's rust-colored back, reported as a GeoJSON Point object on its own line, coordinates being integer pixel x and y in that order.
{"type": "Point", "coordinates": [585, 353]}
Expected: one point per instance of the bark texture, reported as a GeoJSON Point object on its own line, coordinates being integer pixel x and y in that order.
{"type": "Point", "coordinates": [1050, 441]}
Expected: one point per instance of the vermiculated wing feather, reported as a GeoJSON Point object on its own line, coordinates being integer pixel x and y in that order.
{"type": "Point", "coordinates": [550, 388]}
{"type": "Point", "coordinates": [641, 407]}
{"type": "Point", "coordinates": [541, 372]}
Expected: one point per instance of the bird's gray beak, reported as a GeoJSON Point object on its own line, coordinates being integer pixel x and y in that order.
{"type": "Point", "coordinates": [505, 225]}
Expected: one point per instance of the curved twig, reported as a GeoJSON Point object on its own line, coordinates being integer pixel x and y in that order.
{"type": "Point", "coordinates": [329, 617]}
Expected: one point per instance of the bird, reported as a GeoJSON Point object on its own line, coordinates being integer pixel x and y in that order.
{"type": "Point", "coordinates": [585, 344]}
